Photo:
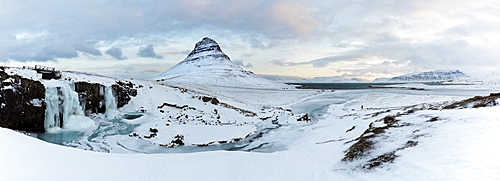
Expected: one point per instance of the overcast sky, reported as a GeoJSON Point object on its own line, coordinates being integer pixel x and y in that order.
{"type": "Point", "coordinates": [350, 38]}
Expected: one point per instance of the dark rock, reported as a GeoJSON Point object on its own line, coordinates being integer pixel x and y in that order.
{"type": "Point", "coordinates": [91, 96]}
{"type": "Point", "coordinates": [305, 118]}
{"type": "Point", "coordinates": [124, 91]}
{"type": "Point", "coordinates": [22, 105]}
{"type": "Point", "coordinates": [494, 94]}
{"type": "Point", "coordinates": [177, 141]}
{"type": "Point", "coordinates": [215, 101]}
{"type": "Point", "coordinates": [206, 99]}
{"type": "Point", "coordinates": [152, 135]}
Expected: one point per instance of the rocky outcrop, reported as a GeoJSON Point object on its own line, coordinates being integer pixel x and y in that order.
{"type": "Point", "coordinates": [91, 97]}
{"type": "Point", "coordinates": [207, 47]}
{"type": "Point", "coordinates": [124, 91]}
{"type": "Point", "coordinates": [22, 105]}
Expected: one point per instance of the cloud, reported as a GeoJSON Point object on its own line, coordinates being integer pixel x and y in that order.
{"type": "Point", "coordinates": [116, 53]}
{"type": "Point", "coordinates": [409, 35]}
{"type": "Point", "coordinates": [88, 49]}
{"type": "Point", "coordinates": [242, 64]}
{"type": "Point", "coordinates": [294, 15]}
{"type": "Point", "coordinates": [318, 63]}
{"type": "Point", "coordinates": [90, 26]}
{"type": "Point", "coordinates": [185, 52]}
{"type": "Point", "coordinates": [148, 52]}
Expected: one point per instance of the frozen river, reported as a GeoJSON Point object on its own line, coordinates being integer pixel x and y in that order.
{"type": "Point", "coordinates": [109, 134]}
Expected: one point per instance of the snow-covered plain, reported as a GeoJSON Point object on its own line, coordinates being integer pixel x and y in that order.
{"type": "Point", "coordinates": [459, 144]}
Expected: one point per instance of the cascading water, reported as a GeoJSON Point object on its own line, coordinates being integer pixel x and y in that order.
{"type": "Point", "coordinates": [111, 106]}
{"type": "Point", "coordinates": [63, 108]}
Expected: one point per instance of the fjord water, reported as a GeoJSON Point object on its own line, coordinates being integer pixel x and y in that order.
{"type": "Point", "coordinates": [342, 86]}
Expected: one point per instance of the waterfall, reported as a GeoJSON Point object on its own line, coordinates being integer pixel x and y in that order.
{"type": "Point", "coordinates": [110, 102]}
{"type": "Point", "coordinates": [52, 121]}
{"type": "Point", "coordinates": [63, 108]}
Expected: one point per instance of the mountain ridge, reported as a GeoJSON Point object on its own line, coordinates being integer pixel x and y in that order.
{"type": "Point", "coordinates": [430, 76]}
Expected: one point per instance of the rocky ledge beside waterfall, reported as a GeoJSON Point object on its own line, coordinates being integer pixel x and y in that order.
{"type": "Point", "coordinates": [27, 100]}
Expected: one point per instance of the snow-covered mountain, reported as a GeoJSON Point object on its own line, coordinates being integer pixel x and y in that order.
{"type": "Point", "coordinates": [334, 79]}
{"type": "Point", "coordinates": [431, 76]}
{"type": "Point", "coordinates": [483, 77]}
{"type": "Point", "coordinates": [208, 65]}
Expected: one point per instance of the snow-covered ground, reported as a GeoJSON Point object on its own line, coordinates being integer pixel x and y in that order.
{"type": "Point", "coordinates": [459, 144]}
{"type": "Point", "coordinates": [253, 134]}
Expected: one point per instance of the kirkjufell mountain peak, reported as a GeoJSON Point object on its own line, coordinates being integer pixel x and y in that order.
{"type": "Point", "coordinates": [206, 44]}
{"type": "Point", "coordinates": [207, 64]}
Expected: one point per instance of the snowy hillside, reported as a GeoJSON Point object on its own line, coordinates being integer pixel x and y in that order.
{"type": "Point", "coordinates": [484, 79]}
{"type": "Point", "coordinates": [334, 79]}
{"type": "Point", "coordinates": [208, 65]}
{"type": "Point", "coordinates": [431, 76]}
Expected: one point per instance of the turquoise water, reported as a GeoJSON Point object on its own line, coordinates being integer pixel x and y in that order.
{"type": "Point", "coordinates": [60, 137]}
{"type": "Point", "coordinates": [104, 129]}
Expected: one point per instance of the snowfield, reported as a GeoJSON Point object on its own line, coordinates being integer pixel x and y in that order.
{"type": "Point", "coordinates": [407, 134]}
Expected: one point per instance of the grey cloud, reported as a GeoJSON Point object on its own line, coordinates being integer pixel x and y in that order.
{"type": "Point", "coordinates": [242, 64]}
{"type": "Point", "coordinates": [148, 52]}
{"type": "Point", "coordinates": [318, 63]}
{"type": "Point", "coordinates": [59, 51]}
{"type": "Point", "coordinates": [86, 48]}
{"type": "Point", "coordinates": [249, 65]}
{"type": "Point", "coordinates": [116, 53]}
{"type": "Point", "coordinates": [185, 52]}
{"type": "Point", "coordinates": [278, 63]}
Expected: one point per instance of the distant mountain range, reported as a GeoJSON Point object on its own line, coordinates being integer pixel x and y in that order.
{"type": "Point", "coordinates": [207, 64]}
{"type": "Point", "coordinates": [431, 76]}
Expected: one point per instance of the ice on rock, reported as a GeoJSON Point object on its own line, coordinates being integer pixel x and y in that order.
{"type": "Point", "coordinates": [63, 108]}
{"type": "Point", "coordinates": [111, 108]}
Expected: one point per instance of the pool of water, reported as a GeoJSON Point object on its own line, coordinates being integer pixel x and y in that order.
{"type": "Point", "coordinates": [60, 137]}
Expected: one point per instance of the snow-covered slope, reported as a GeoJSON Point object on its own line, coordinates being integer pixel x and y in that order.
{"type": "Point", "coordinates": [334, 79]}
{"type": "Point", "coordinates": [208, 65]}
{"type": "Point", "coordinates": [484, 79]}
{"type": "Point", "coordinates": [431, 76]}
{"type": "Point", "coordinates": [393, 140]}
